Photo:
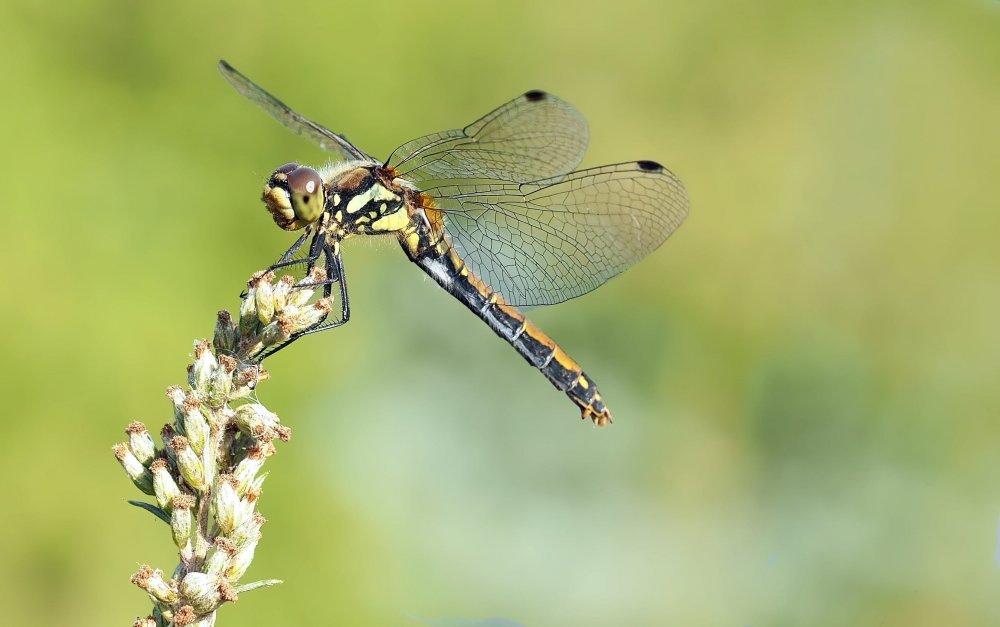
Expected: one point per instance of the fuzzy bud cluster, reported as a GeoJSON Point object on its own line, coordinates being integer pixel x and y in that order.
{"type": "Point", "coordinates": [205, 475]}
{"type": "Point", "coordinates": [271, 312]}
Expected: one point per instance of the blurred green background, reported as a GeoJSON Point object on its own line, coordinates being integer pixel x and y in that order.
{"type": "Point", "coordinates": [804, 378]}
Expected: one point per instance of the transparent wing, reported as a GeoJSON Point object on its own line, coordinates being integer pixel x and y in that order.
{"type": "Point", "coordinates": [536, 135]}
{"type": "Point", "coordinates": [299, 124]}
{"type": "Point", "coordinates": [547, 241]}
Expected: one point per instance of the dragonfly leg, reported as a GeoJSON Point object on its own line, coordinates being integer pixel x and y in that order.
{"type": "Point", "coordinates": [335, 274]}
{"type": "Point", "coordinates": [288, 258]}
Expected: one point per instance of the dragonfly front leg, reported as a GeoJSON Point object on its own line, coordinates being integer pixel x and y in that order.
{"type": "Point", "coordinates": [288, 259]}
{"type": "Point", "coordinates": [334, 274]}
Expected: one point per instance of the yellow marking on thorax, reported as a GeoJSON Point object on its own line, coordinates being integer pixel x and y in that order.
{"type": "Point", "coordinates": [375, 193]}
{"type": "Point", "coordinates": [395, 221]}
{"type": "Point", "coordinates": [357, 203]}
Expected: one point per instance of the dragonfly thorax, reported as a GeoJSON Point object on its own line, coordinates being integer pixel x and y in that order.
{"type": "Point", "coordinates": [360, 201]}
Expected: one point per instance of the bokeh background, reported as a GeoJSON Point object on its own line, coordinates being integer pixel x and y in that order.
{"type": "Point", "coordinates": [805, 378]}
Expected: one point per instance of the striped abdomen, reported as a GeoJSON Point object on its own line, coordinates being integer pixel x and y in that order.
{"type": "Point", "coordinates": [444, 265]}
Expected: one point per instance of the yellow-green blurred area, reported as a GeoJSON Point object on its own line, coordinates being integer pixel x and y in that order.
{"type": "Point", "coordinates": [804, 378]}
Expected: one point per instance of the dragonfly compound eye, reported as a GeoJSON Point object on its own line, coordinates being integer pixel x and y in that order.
{"type": "Point", "coordinates": [295, 196]}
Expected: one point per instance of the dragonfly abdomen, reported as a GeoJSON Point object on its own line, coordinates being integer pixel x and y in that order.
{"type": "Point", "coordinates": [445, 266]}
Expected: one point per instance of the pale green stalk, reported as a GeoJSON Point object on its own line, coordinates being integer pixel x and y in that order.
{"type": "Point", "coordinates": [204, 478]}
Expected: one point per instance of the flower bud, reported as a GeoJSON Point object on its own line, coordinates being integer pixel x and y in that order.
{"type": "Point", "coordinates": [248, 532]}
{"type": "Point", "coordinates": [208, 620]}
{"type": "Point", "coordinates": [168, 433]}
{"type": "Point", "coordinates": [246, 471]}
{"type": "Point", "coordinates": [256, 421]}
{"type": "Point", "coordinates": [224, 339]}
{"type": "Point", "coordinates": [177, 396]}
{"type": "Point", "coordinates": [164, 487]}
{"type": "Point", "coordinates": [240, 562]}
{"type": "Point", "coordinates": [206, 592]}
{"type": "Point", "coordinates": [253, 490]}
{"type": "Point", "coordinates": [311, 315]}
{"type": "Point", "coordinates": [163, 615]}
{"type": "Point", "coordinates": [280, 293]}
{"type": "Point", "coordinates": [248, 311]}
{"type": "Point", "coordinates": [275, 333]}
{"type": "Point", "coordinates": [203, 367]}
{"type": "Point", "coordinates": [138, 473]}
{"type": "Point", "coordinates": [223, 554]}
{"type": "Point", "coordinates": [180, 520]}
{"type": "Point", "coordinates": [245, 379]}
{"type": "Point", "coordinates": [141, 442]}
{"type": "Point", "coordinates": [230, 510]}
{"type": "Point", "coordinates": [218, 387]}
{"type": "Point", "coordinates": [148, 621]}
{"type": "Point", "coordinates": [195, 424]}
{"type": "Point", "coordinates": [301, 295]}
{"type": "Point", "coordinates": [188, 463]}
{"type": "Point", "coordinates": [152, 581]}
{"type": "Point", "coordinates": [264, 297]}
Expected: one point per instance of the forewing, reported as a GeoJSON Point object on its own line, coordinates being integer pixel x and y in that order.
{"type": "Point", "coordinates": [551, 240]}
{"type": "Point", "coordinates": [536, 135]}
{"type": "Point", "coordinates": [299, 124]}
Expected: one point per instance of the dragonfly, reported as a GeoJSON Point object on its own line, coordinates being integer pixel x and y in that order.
{"type": "Point", "coordinates": [496, 213]}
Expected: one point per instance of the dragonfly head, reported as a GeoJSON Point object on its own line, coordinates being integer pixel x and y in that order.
{"type": "Point", "coordinates": [295, 195]}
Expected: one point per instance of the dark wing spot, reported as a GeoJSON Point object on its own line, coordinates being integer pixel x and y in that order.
{"type": "Point", "coordinates": [535, 95]}
{"type": "Point", "coordinates": [649, 166]}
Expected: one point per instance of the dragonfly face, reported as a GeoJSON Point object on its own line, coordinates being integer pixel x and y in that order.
{"type": "Point", "coordinates": [295, 195]}
{"type": "Point", "coordinates": [495, 213]}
